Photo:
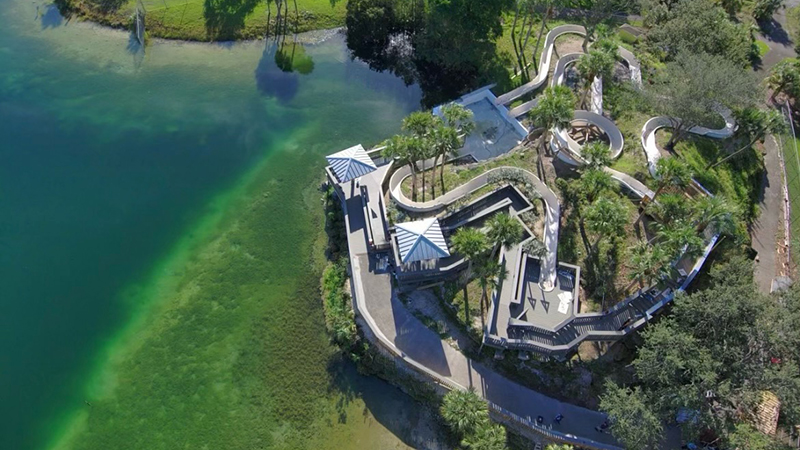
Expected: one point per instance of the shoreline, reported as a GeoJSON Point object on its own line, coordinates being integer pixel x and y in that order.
{"type": "Point", "coordinates": [81, 12]}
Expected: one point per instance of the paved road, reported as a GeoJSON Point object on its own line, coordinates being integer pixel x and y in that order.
{"type": "Point", "coordinates": [765, 229]}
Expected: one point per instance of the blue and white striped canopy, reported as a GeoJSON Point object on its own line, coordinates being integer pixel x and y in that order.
{"type": "Point", "coordinates": [351, 163]}
{"type": "Point", "coordinates": [421, 240]}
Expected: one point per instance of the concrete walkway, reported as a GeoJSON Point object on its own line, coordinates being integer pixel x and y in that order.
{"type": "Point", "coordinates": [765, 229]}
{"type": "Point", "coordinates": [420, 347]}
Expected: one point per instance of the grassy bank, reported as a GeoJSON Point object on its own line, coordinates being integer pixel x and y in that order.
{"type": "Point", "coordinates": [203, 20]}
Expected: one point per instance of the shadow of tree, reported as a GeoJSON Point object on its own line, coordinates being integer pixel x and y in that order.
{"type": "Point", "coordinates": [225, 17]}
{"type": "Point", "coordinates": [272, 80]}
{"type": "Point", "coordinates": [51, 18]}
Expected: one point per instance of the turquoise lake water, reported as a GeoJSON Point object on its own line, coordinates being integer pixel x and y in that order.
{"type": "Point", "coordinates": [108, 158]}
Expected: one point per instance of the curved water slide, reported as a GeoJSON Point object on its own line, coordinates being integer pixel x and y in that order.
{"type": "Point", "coordinates": [651, 126]}
{"type": "Point", "coordinates": [552, 209]}
{"type": "Point", "coordinates": [544, 63]}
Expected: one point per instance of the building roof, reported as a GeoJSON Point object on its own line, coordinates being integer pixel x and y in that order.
{"type": "Point", "coordinates": [421, 240]}
{"type": "Point", "coordinates": [767, 413]}
{"type": "Point", "coordinates": [351, 163]}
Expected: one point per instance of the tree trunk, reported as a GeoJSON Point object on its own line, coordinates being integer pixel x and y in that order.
{"type": "Point", "coordinates": [483, 301]}
{"type": "Point", "coordinates": [413, 182]}
{"type": "Point", "coordinates": [539, 39]}
{"type": "Point", "coordinates": [423, 178]}
{"type": "Point", "coordinates": [441, 174]}
{"type": "Point", "coordinates": [582, 229]}
{"type": "Point", "coordinates": [433, 177]}
{"type": "Point", "coordinates": [514, 41]}
{"type": "Point", "coordinates": [711, 166]}
{"type": "Point", "coordinates": [655, 194]}
{"type": "Point", "coordinates": [523, 59]}
{"type": "Point", "coordinates": [528, 35]}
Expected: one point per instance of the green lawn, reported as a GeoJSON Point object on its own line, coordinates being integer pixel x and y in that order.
{"type": "Point", "coordinates": [204, 20]}
{"type": "Point", "coordinates": [738, 179]}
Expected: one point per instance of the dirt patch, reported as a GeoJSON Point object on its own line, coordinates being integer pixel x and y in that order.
{"type": "Point", "coordinates": [568, 44]}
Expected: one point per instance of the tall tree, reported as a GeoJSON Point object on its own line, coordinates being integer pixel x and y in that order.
{"type": "Point", "coordinates": [646, 263]}
{"type": "Point", "coordinates": [472, 245]}
{"type": "Point", "coordinates": [670, 172]}
{"type": "Point", "coordinates": [488, 437]}
{"type": "Point", "coordinates": [695, 87]}
{"type": "Point", "coordinates": [504, 231]}
{"type": "Point", "coordinates": [784, 78]}
{"type": "Point", "coordinates": [450, 133]}
{"type": "Point", "coordinates": [594, 64]}
{"type": "Point", "coordinates": [464, 411]}
{"type": "Point", "coordinates": [401, 148]}
{"type": "Point", "coordinates": [490, 275]}
{"type": "Point", "coordinates": [764, 9]}
{"type": "Point", "coordinates": [700, 26]}
{"type": "Point", "coordinates": [606, 218]}
{"type": "Point", "coordinates": [555, 109]}
{"type": "Point", "coordinates": [597, 155]}
{"type": "Point", "coordinates": [633, 421]}
{"type": "Point", "coordinates": [680, 237]}
{"type": "Point", "coordinates": [420, 124]}
{"type": "Point", "coordinates": [716, 212]}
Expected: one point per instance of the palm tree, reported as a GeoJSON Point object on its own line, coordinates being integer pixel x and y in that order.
{"type": "Point", "coordinates": [550, 6]}
{"type": "Point", "coordinates": [669, 172]}
{"type": "Point", "coordinates": [593, 183]}
{"type": "Point", "coordinates": [606, 217]}
{"type": "Point", "coordinates": [596, 63]}
{"type": "Point", "coordinates": [646, 263]}
{"type": "Point", "coordinates": [490, 275]}
{"type": "Point", "coordinates": [669, 207]}
{"type": "Point", "coordinates": [679, 237]}
{"type": "Point", "coordinates": [464, 411]}
{"type": "Point", "coordinates": [716, 212]}
{"type": "Point", "coordinates": [596, 155]}
{"type": "Point", "coordinates": [471, 244]}
{"type": "Point", "coordinates": [784, 78]}
{"type": "Point", "coordinates": [419, 124]}
{"type": "Point", "coordinates": [752, 125]}
{"type": "Point", "coordinates": [486, 437]}
{"type": "Point", "coordinates": [446, 134]}
{"type": "Point", "coordinates": [555, 109]}
{"type": "Point", "coordinates": [504, 231]}
{"type": "Point", "coordinates": [402, 149]}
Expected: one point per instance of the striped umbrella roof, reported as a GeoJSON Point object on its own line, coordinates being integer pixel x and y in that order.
{"type": "Point", "coordinates": [351, 163]}
{"type": "Point", "coordinates": [421, 240]}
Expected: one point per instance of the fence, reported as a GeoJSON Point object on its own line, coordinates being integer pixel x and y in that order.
{"type": "Point", "coordinates": [790, 160]}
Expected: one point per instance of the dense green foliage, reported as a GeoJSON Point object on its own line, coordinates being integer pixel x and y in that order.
{"type": "Point", "coordinates": [694, 87]}
{"type": "Point", "coordinates": [712, 359]}
{"type": "Point", "coordinates": [448, 47]}
{"type": "Point", "coordinates": [467, 416]}
{"type": "Point", "coordinates": [696, 26]}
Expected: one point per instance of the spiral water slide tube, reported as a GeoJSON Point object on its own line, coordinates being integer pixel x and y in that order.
{"type": "Point", "coordinates": [552, 209]}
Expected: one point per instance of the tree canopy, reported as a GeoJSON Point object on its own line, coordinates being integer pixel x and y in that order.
{"type": "Point", "coordinates": [714, 357]}
{"type": "Point", "coordinates": [697, 26]}
{"type": "Point", "coordinates": [693, 89]}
